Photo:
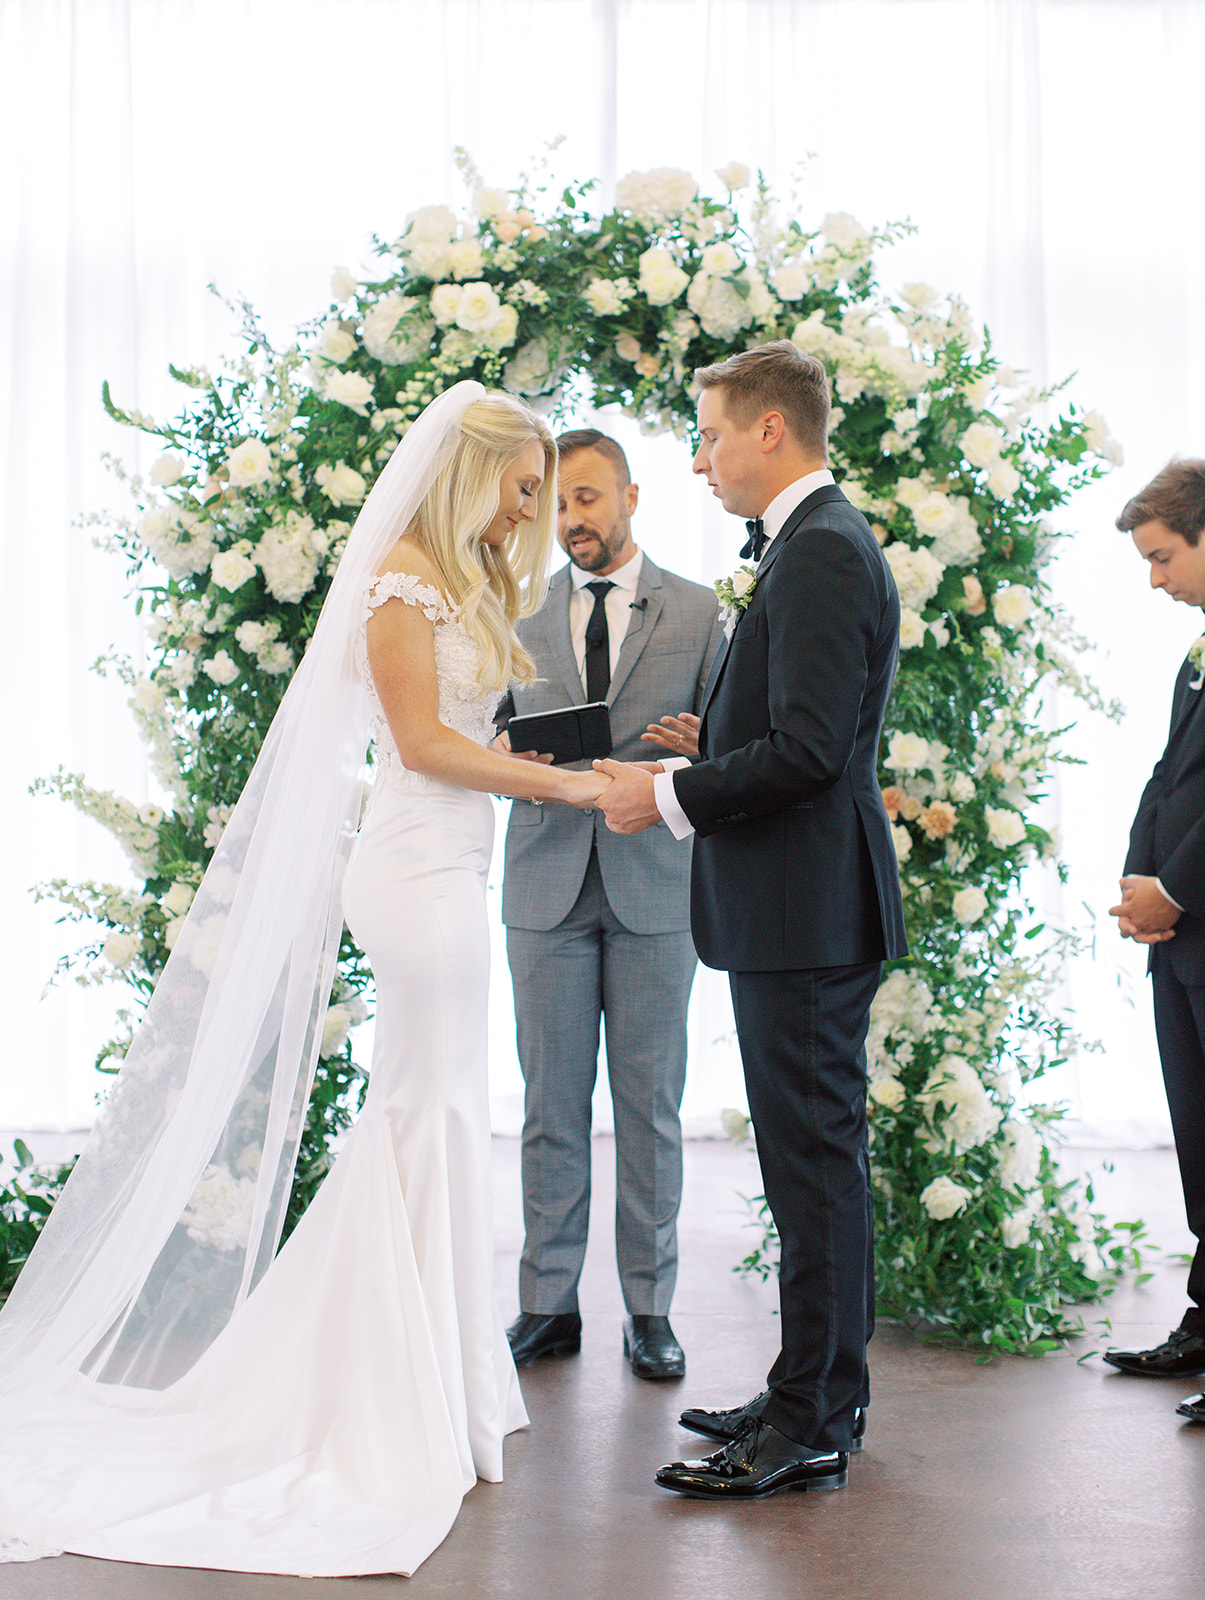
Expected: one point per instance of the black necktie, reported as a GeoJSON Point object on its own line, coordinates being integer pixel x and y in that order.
{"type": "Point", "coordinates": [598, 642]}
{"type": "Point", "coordinates": [756, 542]}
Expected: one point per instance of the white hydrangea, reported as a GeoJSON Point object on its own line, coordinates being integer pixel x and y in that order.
{"type": "Point", "coordinates": [917, 573]}
{"type": "Point", "coordinates": [220, 1209]}
{"type": "Point", "coordinates": [529, 371]}
{"type": "Point", "coordinates": [335, 1028]}
{"type": "Point", "coordinates": [971, 1115]}
{"type": "Point", "coordinates": [290, 553]}
{"type": "Point", "coordinates": [912, 629]}
{"type": "Point", "coordinates": [791, 281]}
{"type": "Point", "coordinates": [1003, 480]}
{"type": "Point", "coordinates": [222, 668]}
{"type": "Point", "coordinates": [959, 543]}
{"type": "Point", "coordinates": [720, 307]}
{"type": "Point", "coordinates": [657, 196]}
{"type": "Point", "coordinates": [603, 298]}
{"type": "Point", "coordinates": [381, 325]}
{"type": "Point", "coordinates": [1020, 1155]}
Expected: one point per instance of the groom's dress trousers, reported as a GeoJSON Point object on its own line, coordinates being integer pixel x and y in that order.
{"type": "Point", "coordinates": [1167, 841]}
{"type": "Point", "coordinates": [795, 892]}
{"type": "Point", "coordinates": [598, 935]}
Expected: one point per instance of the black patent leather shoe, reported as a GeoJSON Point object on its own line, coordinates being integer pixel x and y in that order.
{"type": "Point", "coordinates": [1193, 1409]}
{"type": "Point", "coordinates": [1182, 1352]}
{"type": "Point", "coordinates": [532, 1335]}
{"type": "Point", "coordinates": [651, 1349]}
{"type": "Point", "coordinates": [727, 1424]}
{"type": "Point", "coordinates": [759, 1461]}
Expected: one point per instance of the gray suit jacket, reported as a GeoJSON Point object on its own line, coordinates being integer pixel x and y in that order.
{"type": "Point", "coordinates": [662, 669]}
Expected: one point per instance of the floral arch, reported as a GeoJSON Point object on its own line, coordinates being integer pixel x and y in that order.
{"type": "Point", "coordinates": [962, 474]}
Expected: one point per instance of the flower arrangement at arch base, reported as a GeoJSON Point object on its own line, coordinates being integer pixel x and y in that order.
{"type": "Point", "coordinates": [960, 471]}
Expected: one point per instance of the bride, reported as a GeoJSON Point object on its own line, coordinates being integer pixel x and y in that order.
{"type": "Point", "coordinates": [174, 1391]}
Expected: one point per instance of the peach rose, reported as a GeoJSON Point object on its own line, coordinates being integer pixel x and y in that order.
{"type": "Point", "coordinates": [938, 819]}
{"type": "Point", "coordinates": [976, 600]}
{"type": "Point", "coordinates": [893, 799]}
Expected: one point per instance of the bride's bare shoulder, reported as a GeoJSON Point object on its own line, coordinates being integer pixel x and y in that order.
{"type": "Point", "coordinates": [409, 573]}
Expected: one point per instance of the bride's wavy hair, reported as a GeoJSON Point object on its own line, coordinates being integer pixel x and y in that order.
{"type": "Point", "coordinates": [494, 585]}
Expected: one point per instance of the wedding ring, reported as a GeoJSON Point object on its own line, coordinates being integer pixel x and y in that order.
{"type": "Point", "coordinates": [679, 741]}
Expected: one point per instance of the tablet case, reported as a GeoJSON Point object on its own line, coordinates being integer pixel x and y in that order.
{"type": "Point", "coordinates": [571, 733]}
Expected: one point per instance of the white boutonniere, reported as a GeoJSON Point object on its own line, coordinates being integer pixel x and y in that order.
{"type": "Point", "coordinates": [1196, 654]}
{"type": "Point", "coordinates": [734, 594]}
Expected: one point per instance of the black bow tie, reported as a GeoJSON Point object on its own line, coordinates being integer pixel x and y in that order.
{"type": "Point", "coordinates": [756, 542]}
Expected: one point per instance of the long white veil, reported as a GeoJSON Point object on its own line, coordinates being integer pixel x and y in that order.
{"type": "Point", "coordinates": [175, 1208]}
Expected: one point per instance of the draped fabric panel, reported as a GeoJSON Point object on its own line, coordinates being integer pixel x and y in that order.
{"type": "Point", "coordinates": [1046, 150]}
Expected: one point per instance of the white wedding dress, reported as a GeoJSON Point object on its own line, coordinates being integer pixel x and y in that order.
{"type": "Point", "coordinates": [363, 1387]}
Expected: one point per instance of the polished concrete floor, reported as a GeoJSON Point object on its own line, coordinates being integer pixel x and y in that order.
{"type": "Point", "coordinates": [1009, 1479]}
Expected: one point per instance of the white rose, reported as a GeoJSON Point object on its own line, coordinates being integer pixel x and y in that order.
{"type": "Point", "coordinates": [445, 303]}
{"type": "Point", "coordinates": [969, 905]}
{"type": "Point", "coordinates": [1097, 437]}
{"type": "Point", "coordinates": [1012, 606]}
{"type": "Point", "coordinates": [489, 203]}
{"type": "Point", "coordinates": [119, 949]}
{"type": "Point", "coordinates": [981, 444]}
{"type": "Point", "coordinates": [902, 840]}
{"type": "Point", "coordinates": [335, 1028]}
{"type": "Point", "coordinates": [1003, 480]}
{"type": "Point", "coordinates": [249, 463]}
{"type": "Point", "coordinates": [742, 581]}
{"type": "Point", "coordinates": [941, 634]}
{"type": "Point", "coordinates": [736, 1125]}
{"type": "Point", "coordinates": [906, 752]}
{"type": "Point", "coordinates": [934, 513]}
{"type": "Point", "coordinates": [167, 470]}
{"type": "Point", "coordinates": [342, 485]}
{"type": "Point", "coordinates": [791, 282]}
{"type": "Point", "coordinates": [1005, 827]}
{"type": "Point", "coordinates": [912, 629]}
{"type": "Point", "coordinates": [944, 1198]}
{"type": "Point", "coordinates": [479, 308]}
{"type": "Point", "coordinates": [222, 669]}
{"type": "Point", "coordinates": [601, 295]}
{"type": "Point", "coordinates": [734, 176]}
{"type": "Point", "coordinates": [661, 279]}
{"type": "Point", "coordinates": [154, 525]}
{"type": "Point", "coordinates": [431, 224]}
{"type": "Point", "coordinates": [962, 788]}
{"type": "Point", "coordinates": [147, 697]}
{"type": "Point", "coordinates": [910, 492]}
{"type": "Point", "coordinates": [888, 1093]}
{"type": "Point", "coordinates": [467, 258]}
{"type": "Point", "coordinates": [336, 344]}
{"type": "Point", "coordinates": [178, 899]}
{"type": "Point", "coordinates": [720, 258]}
{"type": "Point", "coordinates": [349, 389]}
{"type": "Point", "coordinates": [343, 284]}
{"type": "Point", "coordinates": [1015, 1229]}
{"type": "Point", "coordinates": [920, 296]}
{"type": "Point", "coordinates": [231, 570]}
{"type": "Point", "coordinates": [845, 233]}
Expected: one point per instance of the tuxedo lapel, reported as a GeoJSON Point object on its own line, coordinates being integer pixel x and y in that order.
{"type": "Point", "coordinates": [560, 641]}
{"type": "Point", "coordinates": [824, 495]}
{"type": "Point", "coordinates": [642, 619]}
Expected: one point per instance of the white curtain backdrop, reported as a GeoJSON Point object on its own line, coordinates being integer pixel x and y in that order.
{"type": "Point", "coordinates": [1048, 151]}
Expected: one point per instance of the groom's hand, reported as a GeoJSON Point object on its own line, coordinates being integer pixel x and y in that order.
{"type": "Point", "coordinates": [628, 804]}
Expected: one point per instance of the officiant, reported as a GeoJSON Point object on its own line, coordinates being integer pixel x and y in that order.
{"type": "Point", "coordinates": [598, 927]}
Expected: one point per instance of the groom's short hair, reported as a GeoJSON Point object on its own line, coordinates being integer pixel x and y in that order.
{"type": "Point", "coordinates": [590, 439]}
{"type": "Point", "coordinates": [1175, 497]}
{"type": "Point", "coordinates": [775, 377]}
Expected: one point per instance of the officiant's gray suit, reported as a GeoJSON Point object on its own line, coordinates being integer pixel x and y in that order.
{"type": "Point", "coordinates": [598, 926]}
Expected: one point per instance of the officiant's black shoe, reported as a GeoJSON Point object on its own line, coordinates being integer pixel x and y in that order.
{"type": "Point", "coordinates": [1182, 1352]}
{"type": "Point", "coordinates": [727, 1424]}
{"type": "Point", "coordinates": [651, 1349]}
{"type": "Point", "coordinates": [759, 1461]}
{"type": "Point", "coordinates": [532, 1335]}
{"type": "Point", "coordinates": [1193, 1409]}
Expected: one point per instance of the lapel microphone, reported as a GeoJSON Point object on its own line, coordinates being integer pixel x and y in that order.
{"type": "Point", "coordinates": [639, 605]}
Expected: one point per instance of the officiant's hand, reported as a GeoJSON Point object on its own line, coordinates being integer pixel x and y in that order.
{"type": "Point", "coordinates": [502, 742]}
{"type": "Point", "coordinates": [679, 735]}
{"type": "Point", "coordinates": [628, 803]}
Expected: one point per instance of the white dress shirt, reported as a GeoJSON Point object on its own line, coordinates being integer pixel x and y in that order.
{"type": "Point", "coordinates": [774, 519]}
{"type": "Point", "coordinates": [618, 605]}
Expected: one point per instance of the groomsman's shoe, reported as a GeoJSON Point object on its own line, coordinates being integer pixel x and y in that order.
{"type": "Point", "coordinates": [727, 1424]}
{"type": "Point", "coordinates": [759, 1461]}
{"type": "Point", "coordinates": [1180, 1353]}
{"type": "Point", "coordinates": [1193, 1409]}
{"type": "Point", "coordinates": [532, 1335]}
{"type": "Point", "coordinates": [651, 1349]}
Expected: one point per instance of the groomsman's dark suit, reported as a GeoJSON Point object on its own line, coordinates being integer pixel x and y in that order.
{"type": "Point", "coordinates": [795, 892]}
{"type": "Point", "coordinates": [1167, 841]}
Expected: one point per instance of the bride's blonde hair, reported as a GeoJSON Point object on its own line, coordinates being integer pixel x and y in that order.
{"type": "Point", "coordinates": [494, 585]}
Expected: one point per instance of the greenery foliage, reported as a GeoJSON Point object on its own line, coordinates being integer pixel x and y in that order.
{"type": "Point", "coordinates": [962, 470]}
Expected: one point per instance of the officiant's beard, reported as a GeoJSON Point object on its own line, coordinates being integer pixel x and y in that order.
{"type": "Point", "coordinates": [604, 551]}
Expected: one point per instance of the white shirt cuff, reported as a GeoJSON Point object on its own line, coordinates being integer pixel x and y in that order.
{"type": "Point", "coordinates": [672, 814]}
{"type": "Point", "coordinates": [1158, 886]}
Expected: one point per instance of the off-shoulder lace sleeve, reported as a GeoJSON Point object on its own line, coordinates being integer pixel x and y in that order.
{"type": "Point", "coordinates": [412, 591]}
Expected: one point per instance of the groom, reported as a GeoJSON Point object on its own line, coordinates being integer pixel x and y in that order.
{"type": "Point", "coordinates": [794, 891]}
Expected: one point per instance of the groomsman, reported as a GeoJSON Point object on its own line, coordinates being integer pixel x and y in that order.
{"type": "Point", "coordinates": [598, 934]}
{"type": "Point", "coordinates": [1163, 890]}
{"type": "Point", "coordinates": [795, 892]}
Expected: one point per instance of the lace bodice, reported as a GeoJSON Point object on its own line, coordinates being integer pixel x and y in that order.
{"type": "Point", "coordinates": [462, 705]}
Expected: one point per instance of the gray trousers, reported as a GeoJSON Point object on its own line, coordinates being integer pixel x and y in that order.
{"type": "Point", "coordinates": [590, 967]}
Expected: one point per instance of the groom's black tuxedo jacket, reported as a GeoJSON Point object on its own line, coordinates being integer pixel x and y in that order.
{"type": "Point", "coordinates": [1167, 839]}
{"type": "Point", "coordinates": [794, 864]}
